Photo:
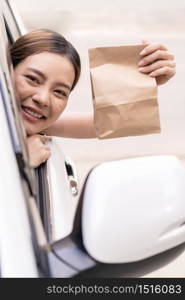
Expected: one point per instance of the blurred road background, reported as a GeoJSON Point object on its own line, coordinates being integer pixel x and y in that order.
{"type": "Point", "coordinates": [111, 23]}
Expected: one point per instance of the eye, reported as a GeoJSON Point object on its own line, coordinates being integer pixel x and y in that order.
{"type": "Point", "coordinates": [60, 93]}
{"type": "Point", "coordinates": [32, 79]}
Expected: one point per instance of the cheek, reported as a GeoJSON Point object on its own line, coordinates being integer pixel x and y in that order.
{"type": "Point", "coordinates": [21, 89]}
{"type": "Point", "coordinates": [58, 108]}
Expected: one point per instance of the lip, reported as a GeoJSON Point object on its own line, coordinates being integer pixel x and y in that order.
{"type": "Point", "coordinates": [30, 117]}
{"type": "Point", "coordinates": [36, 110]}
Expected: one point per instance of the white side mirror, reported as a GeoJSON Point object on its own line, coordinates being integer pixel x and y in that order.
{"type": "Point", "coordinates": [134, 208]}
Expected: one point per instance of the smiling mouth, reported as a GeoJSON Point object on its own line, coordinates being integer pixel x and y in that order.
{"type": "Point", "coordinates": [32, 115]}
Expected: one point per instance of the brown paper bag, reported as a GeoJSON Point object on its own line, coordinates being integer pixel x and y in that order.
{"type": "Point", "coordinates": [124, 100]}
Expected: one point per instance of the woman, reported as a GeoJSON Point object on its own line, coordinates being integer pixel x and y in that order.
{"type": "Point", "coordinates": [46, 70]}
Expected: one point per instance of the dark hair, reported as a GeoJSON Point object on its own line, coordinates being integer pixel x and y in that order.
{"type": "Point", "coordinates": [44, 40]}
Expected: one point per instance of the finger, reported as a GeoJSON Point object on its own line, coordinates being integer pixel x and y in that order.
{"type": "Point", "coordinates": [157, 55]}
{"type": "Point", "coordinates": [46, 148]}
{"type": "Point", "coordinates": [157, 65]}
{"type": "Point", "coordinates": [151, 48]}
{"type": "Point", "coordinates": [145, 42]}
{"type": "Point", "coordinates": [46, 156]}
{"type": "Point", "coordinates": [169, 72]}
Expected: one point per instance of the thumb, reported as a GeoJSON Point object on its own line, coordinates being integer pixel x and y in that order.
{"type": "Point", "coordinates": [145, 42]}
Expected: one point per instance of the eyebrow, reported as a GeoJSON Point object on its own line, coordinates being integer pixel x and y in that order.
{"type": "Point", "coordinates": [44, 77]}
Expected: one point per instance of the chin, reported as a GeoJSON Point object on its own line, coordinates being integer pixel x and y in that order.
{"type": "Point", "coordinates": [31, 131]}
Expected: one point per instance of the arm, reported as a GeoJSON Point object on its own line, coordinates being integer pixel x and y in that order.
{"type": "Point", "coordinates": [73, 125]}
{"type": "Point", "coordinates": [155, 61]}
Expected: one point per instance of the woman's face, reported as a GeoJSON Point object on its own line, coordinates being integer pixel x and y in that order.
{"type": "Point", "coordinates": [43, 82]}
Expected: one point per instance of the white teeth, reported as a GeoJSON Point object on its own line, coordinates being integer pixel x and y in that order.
{"type": "Point", "coordinates": [29, 111]}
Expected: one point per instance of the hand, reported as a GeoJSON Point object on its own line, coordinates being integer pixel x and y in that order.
{"type": "Point", "coordinates": [38, 151]}
{"type": "Point", "coordinates": [157, 62]}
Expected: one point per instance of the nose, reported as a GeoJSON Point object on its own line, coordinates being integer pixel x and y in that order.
{"type": "Point", "coordinates": [41, 96]}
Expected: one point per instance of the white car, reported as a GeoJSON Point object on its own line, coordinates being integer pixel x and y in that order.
{"type": "Point", "coordinates": [128, 211]}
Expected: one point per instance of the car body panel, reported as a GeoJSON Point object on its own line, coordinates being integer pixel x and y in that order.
{"type": "Point", "coordinates": [15, 232]}
{"type": "Point", "coordinates": [62, 202]}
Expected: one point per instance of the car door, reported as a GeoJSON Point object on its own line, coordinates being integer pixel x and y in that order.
{"type": "Point", "coordinates": [48, 192]}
